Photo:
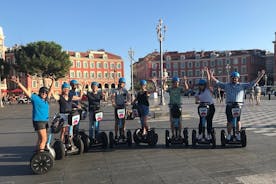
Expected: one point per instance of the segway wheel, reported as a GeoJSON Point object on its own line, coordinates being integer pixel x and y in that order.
{"type": "Point", "coordinates": [243, 138]}
{"type": "Point", "coordinates": [194, 138]}
{"type": "Point", "coordinates": [167, 138]}
{"type": "Point", "coordinates": [104, 140]}
{"type": "Point", "coordinates": [79, 144]}
{"type": "Point", "coordinates": [151, 135]}
{"type": "Point", "coordinates": [86, 141]}
{"type": "Point", "coordinates": [185, 135]}
{"type": "Point", "coordinates": [129, 138]}
{"type": "Point", "coordinates": [135, 136]}
{"type": "Point", "coordinates": [222, 138]}
{"type": "Point", "coordinates": [59, 149]}
{"type": "Point", "coordinates": [111, 139]}
{"type": "Point", "coordinates": [41, 162]}
{"type": "Point", "coordinates": [213, 135]}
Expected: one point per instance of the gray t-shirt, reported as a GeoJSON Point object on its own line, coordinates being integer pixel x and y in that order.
{"type": "Point", "coordinates": [121, 96]}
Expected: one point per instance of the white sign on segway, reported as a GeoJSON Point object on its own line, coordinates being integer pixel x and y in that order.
{"type": "Point", "coordinates": [236, 112]}
{"type": "Point", "coordinates": [203, 111]}
{"type": "Point", "coordinates": [75, 119]}
{"type": "Point", "coordinates": [99, 116]}
{"type": "Point", "coordinates": [121, 113]}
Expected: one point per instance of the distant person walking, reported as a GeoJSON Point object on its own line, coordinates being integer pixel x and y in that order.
{"type": "Point", "coordinates": [258, 91]}
{"type": "Point", "coordinates": [251, 95]}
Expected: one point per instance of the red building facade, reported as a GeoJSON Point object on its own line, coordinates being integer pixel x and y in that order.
{"type": "Point", "coordinates": [191, 64]}
{"type": "Point", "coordinates": [100, 66]}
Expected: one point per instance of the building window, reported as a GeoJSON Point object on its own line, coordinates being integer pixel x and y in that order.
{"type": "Point", "coordinates": [92, 75]}
{"type": "Point", "coordinates": [72, 74]}
{"type": "Point", "coordinates": [119, 74]}
{"type": "Point", "coordinates": [197, 56]}
{"type": "Point", "coordinates": [235, 61]}
{"type": "Point", "coordinates": [85, 74]}
{"type": "Point", "coordinates": [168, 58]}
{"type": "Point", "coordinates": [236, 69]}
{"type": "Point", "coordinates": [105, 65]}
{"type": "Point", "coordinates": [213, 63]}
{"type": "Point", "coordinates": [105, 75]}
{"type": "Point", "coordinates": [77, 54]}
{"type": "Point", "coordinates": [79, 74]}
{"type": "Point", "coordinates": [34, 84]}
{"type": "Point", "coordinates": [153, 74]}
{"type": "Point", "coordinates": [219, 62]}
{"type": "Point", "coordinates": [243, 70]}
{"type": "Point", "coordinates": [85, 64]}
{"type": "Point", "coordinates": [99, 65]}
{"type": "Point", "coordinates": [168, 65]}
{"type": "Point", "coordinates": [112, 75]}
{"type": "Point", "coordinates": [175, 73]}
{"type": "Point", "coordinates": [197, 64]}
{"type": "Point", "coordinates": [92, 65]}
{"type": "Point", "coordinates": [119, 65]}
{"type": "Point", "coordinates": [197, 73]}
{"type": "Point", "coordinates": [99, 75]}
{"type": "Point", "coordinates": [153, 65]}
{"type": "Point", "coordinates": [78, 64]}
{"type": "Point", "coordinates": [72, 64]}
{"type": "Point", "coordinates": [182, 65]}
{"type": "Point", "coordinates": [91, 56]}
{"type": "Point", "coordinates": [105, 56]}
{"type": "Point", "coordinates": [190, 64]}
{"type": "Point", "coordinates": [175, 65]}
{"type": "Point", "coordinates": [244, 60]}
{"type": "Point", "coordinates": [228, 61]}
{"type": "Point", "coordinates": [205, 63]}
{"type": "Point", "coordinates": [182, 57]}
{"type": "Point", "coordinates": [190, 73]}
{"type": "Point", "coordinates": [112, 66]}
{"type": "Point", "coordinates": [56, 84]}
{"type": "Point", "coordinates": [183, 73]}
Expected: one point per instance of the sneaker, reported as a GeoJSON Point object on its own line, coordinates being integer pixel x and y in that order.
{"type": "Point", "coordinates": [73, 148]}
{"type": "Point", "coordinates": [228, 137]}
{"type": "Point", "coordinates": [199, 137]}
{"type": "Point", "coordinates": [238, 136]}
{"type": "Point", "coordinates": [208, 137]}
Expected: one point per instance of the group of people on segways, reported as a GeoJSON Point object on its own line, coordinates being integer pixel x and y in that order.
{"type": "Point", "coordinates": [74, 140]}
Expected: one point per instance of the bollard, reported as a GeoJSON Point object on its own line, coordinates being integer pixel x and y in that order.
{"type": "Point", "coordinates": [269, 96]}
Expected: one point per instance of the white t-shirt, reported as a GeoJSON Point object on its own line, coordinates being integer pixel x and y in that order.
{"type": "Point", "coordinates": [206, 96]}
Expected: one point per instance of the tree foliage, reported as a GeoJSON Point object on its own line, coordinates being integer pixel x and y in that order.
{"type": "Point", "coordinates": [6, 69]}
{"type": "Point", "coordinates": [42, 59]}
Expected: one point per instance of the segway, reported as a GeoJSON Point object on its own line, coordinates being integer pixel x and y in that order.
{"type": "Point", "coordinates": [120, 112]}
{"type": "Point", "coordinates": [236, 112]}
{"type": "Point", "coordinates": [176, 113]}
{"type": "Point", "coordinates": [73, 144]}
{"type": "Point", "coordinates": [96, 139]}
{"type": "Point", "coordinates": [42, 162]}
{"type": "Point", "coordinates": [203, 112]}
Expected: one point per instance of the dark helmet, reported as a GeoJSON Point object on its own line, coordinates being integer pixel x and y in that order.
{"type": "Point", "coordinates": [175, 79]}
{"type": "Point", "coordinates": [202, 82]}
{"type": "Point", "coordinates": [43, 90]}
{"type": "Point", "coordinates": [143, 82]}
{"type": "Point", "coordinates": [235, 74]}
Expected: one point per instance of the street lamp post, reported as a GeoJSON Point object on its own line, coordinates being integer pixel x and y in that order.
{"type": "Point", "coordinates": [1, 98]}
{"type": "Point", "coordinates": [228, 67]}
{"type": "Point", "coordinates": [131, 55]}
{"type": "Point", "coordinates": [265, 77]}
{"type": "Point", "coordinates": [161, 35]}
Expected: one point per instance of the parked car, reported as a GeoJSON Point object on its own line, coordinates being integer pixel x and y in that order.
{"type": "Point", "coordinates": [23, 100]}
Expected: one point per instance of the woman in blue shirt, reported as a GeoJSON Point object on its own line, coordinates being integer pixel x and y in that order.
{"type": "Point", "coordinates": [40, 114]}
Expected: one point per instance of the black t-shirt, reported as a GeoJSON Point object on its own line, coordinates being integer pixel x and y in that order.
{"type": "Point", "coordinates": [94, 100]}
{"type": "Point", "coordinates": [142, 98]}
{"type": "Point", "coordinates": [65, 106]}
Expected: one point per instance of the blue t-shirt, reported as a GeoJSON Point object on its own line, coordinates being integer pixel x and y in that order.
{"type": "Point", "coordinates": [74, 93]}
{"type": "Point", "coordinates": [40, 108]}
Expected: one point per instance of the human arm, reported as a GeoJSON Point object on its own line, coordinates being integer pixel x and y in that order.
{"type": "Point", "coordinates": [186, 86]}
{"type": "Point", "coordinates": [20, 85]}
{"type": "Point", "coordinates": [219, 84]}
{"type": "Point", "coordinates": [51, 86]}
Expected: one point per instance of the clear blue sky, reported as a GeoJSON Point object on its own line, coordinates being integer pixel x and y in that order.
{"type": "Point", "coordinates": [117, 25]}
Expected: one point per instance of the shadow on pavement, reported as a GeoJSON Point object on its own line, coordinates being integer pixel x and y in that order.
{"type": "Point", "coordinates": [12, 158]}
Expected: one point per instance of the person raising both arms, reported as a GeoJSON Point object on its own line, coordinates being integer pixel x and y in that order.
{"type": "Point", "coordinates": [40, 112]}
{"type": "Point", "coordinates": [234, 94]}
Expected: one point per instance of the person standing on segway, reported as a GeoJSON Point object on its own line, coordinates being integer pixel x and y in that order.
{"type": "Point", "coordinates": [205, 95]}
{"type": "Point", "coordinates": [234, 94]}
{"type": "Point", "coordinates": [94, 100]}
{"type": "Point", "coordinates": [40, 114]}
{"type": "Point", "coordinates": [75, 92]}
{"type": "Point", "coordinates": [65, 106]}
{"type": "Point", "coordinates": [175, 99]}
{"type": "Point", "coordinates": [120, 98]}
{"type": "Point", "coordinates": [143, 105]}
